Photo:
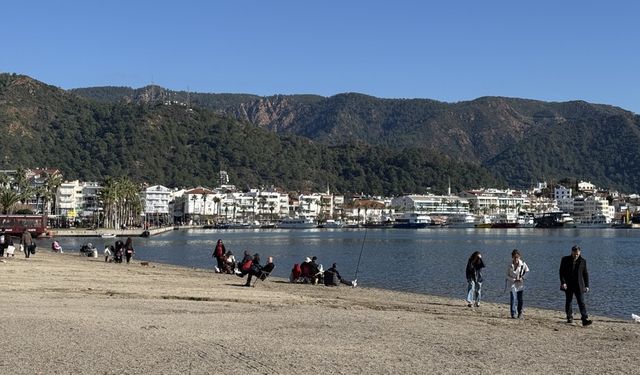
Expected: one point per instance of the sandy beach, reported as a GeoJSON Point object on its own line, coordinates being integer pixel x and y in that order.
{"type": "Point", "coordinates": [65, 314]}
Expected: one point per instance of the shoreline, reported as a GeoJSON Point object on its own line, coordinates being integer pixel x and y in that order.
{"type": "Point", "coordinates": [68, 314]}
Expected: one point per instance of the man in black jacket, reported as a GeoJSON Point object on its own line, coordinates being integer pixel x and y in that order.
{"type": "Point", "coordinates": [574, 280]}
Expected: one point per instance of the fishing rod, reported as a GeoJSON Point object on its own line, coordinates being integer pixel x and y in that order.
{"type": "Point", "coordinates": [360, 257]}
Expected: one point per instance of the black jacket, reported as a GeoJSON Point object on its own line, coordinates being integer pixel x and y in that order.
{"type": "Point", "coordinates": [474, 271]}
{"type": "Point", "coordinates": [577, 279]}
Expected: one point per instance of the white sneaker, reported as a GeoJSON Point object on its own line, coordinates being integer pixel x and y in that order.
{"type": "Point", "coordinates": [354, 283]}
{"type": "Point", "coordinates": [217, 269]}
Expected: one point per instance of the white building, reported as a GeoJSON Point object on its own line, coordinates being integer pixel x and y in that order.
{"type": "Point", "coordinates": [69, 199]}
{"type": "Point", "coordinates": [561, 192]}
{"type": "Point", "coordinates": [430, 204]}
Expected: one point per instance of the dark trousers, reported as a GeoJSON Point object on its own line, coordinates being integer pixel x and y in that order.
{"type": "Point", "coordinates": [513, 300]}
{"type": "Point", "coordinates": [128, 255]}
{"type": "Point", "coordinates": [26, 250]}
{"type": "Point", "coordinates": [220, 261]}
{"type": "Point", "coordinates": [249, 275]}
{"type": "Point", "coordinates": [569, 293]}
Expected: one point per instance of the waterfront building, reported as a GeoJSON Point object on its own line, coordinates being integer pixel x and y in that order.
{"type": "Point", "coordinates": [495, 201]}
{"type": "Point", "coordinates": [155, 202]}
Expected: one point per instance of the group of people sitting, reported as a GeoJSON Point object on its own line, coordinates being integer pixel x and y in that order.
{"type": "Point", "coordinates": [310, 272]}
{"type": "Point", "coordinates": [249, 265]}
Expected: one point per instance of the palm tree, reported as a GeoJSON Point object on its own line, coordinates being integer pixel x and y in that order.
{"type": "Point", "coordinates": [194, 198]}
{"type": "Point", "coordinates": [52, 182]}
{"type": "Point", "coordinates": [8, 198]}
{"type": "Point", "coordinates": [204, 203]}
{"type": "Point", "coordinates": [216, 201]}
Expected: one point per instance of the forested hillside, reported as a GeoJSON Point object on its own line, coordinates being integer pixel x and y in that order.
{"type": "Point", "coordinates": [179, 146]}
{"type": "Point", "coordinates": [519, 140]}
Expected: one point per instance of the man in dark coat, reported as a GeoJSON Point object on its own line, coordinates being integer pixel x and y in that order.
{"type": "Point", "coordinates": [574, 280]}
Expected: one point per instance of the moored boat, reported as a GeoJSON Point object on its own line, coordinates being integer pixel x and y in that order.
{"type": "Point", "coordinates": [412, 220]}
{"type": "Point", "coordinates": [297, 223]}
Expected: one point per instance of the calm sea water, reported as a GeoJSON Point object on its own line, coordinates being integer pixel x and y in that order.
{"type": "Point", "coordinates": [430, 261]}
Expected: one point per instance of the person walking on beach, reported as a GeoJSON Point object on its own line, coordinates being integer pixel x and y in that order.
{"type": "Point", "coordinates": [27, 243]}
{"type": "Point", "coordinates": [3, 242]}
{"type": "Point", "coordinates": [574, 280]}
{"type": "Point", "coordinates": [218, 253]}
{"type": "Point", "coordinates": [515, 276]}
{"type": "Point", "coordinates": [128, 249]}
{"type": "Point", "coordinates": [474, 279]}
{"type": "Point", "coordinates": [107, 252]}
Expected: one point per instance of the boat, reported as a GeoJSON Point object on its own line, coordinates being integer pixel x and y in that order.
{"type": "Point", "coordinates": [595, 221]}
{"type": "Point", "coordinates": [556, 219]}
{"type": "Point", "coordinates": [505, 221]}
{"type": "Point", "coordinates": [107, 235]}
{"type": "Point", "coordinates": [485, 222]}
{"type": "Point", "coordinates": [526, 221]}
{"type": "Point", "coordinates": [331, 224]}
{"type": "Point", "coordinates": [297, 223]}
{"type": "Point", "coordinates": [378, 224]}
{"type": "Point", "coordinates": [460, 220]}
{"type": "Point", "coordinates": [412, 220]}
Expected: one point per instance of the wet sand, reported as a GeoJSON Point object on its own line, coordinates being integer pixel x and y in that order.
{"type": "Point", "coordinates": [65, 314]}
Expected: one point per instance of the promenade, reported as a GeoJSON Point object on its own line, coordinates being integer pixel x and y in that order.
{"type": "Point", "coordinates": [65, 314]}
{"type": "Point", "coordinates": [136, 232]}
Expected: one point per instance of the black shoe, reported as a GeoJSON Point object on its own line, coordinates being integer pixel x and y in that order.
{"type": "Point", "coordinates": [569, 321]}
{"type": "Point", "coordinates": [586, 322]}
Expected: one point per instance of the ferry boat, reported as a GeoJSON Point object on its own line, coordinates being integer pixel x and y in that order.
{"type": "Point", "coordinates": [555, 220]}
{"type": "Point", "coordinates": [412, 220]}
{"type": "Point", "coordinates": [297, 223]}
{"type": "Point", "coordinates": [485, 222]}
{"type": "Point", "coordinates": [461, 220]}
{"type": "Point", "coordinates": [505, 221]}
{"type": "Point", "coordinates": [595, 221]}
{"type": "Point", "coordinates": [331, 224]}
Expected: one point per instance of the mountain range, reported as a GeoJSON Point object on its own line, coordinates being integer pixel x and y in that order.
{"type": "Point", "coordinates": [350, 142]}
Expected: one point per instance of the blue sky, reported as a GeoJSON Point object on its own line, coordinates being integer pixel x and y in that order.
{"type": "Point", "coordinates": [446, 50]}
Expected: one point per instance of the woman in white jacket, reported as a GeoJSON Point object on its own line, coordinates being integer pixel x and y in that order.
{"type": "Point", "coordinates": [515, 275]}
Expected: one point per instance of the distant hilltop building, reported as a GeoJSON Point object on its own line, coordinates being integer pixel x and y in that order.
{"type": "Point", "coordinates": [224, 178]}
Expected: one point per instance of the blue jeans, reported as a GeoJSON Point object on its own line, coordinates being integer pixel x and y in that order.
{"type": "Point", "coordinates": [516, 296]}
{"type": "Point", "coordinates": [474, 291]}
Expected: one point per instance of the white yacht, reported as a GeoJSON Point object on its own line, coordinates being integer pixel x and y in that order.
{"type": "Point", "coordinates": [297, 223]}
{"type": "Point", "coordinates": [331, 224]}
{"type": "Point", "coordinates": [595, 221]}
{"type": "Point", "coordinates": [461, 220]}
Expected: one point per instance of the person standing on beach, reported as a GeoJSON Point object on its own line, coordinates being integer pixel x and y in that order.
{"type": "Point", "coordinates": [27, 242]}
{"type": "Point", "coordinates": [218, 253]}
{"type": "Point", "coordinates": [574, 280]}
{"type": "Point", "coordinates": [515, 275]}
{"type": "Point", "coordinates": [474, 279]}
{"type": "Point", "coordinates": [128, 249]}
{"type": "Point", "coordinates": [3, 243]}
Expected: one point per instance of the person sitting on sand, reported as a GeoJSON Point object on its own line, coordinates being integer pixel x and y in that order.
{"type": "Point", "coordinates": [296, 274]}
{"type": "Point", "coordinates": [332, 278]}
{"type": "Point", "coordinates": [305, 268]}
{"type": "Point", "coordinates": [315, 271]}
{"type": "Point", "coordinates": [229, 264]}
{"type": "Point", "coordinates": [55, 247]}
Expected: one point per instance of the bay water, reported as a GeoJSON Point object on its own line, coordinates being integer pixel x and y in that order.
{"type": "Point", "coordinates": [429, 261]}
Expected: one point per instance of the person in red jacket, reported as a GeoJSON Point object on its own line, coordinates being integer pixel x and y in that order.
{"type": "Point", "coordinates": [219, 253]}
